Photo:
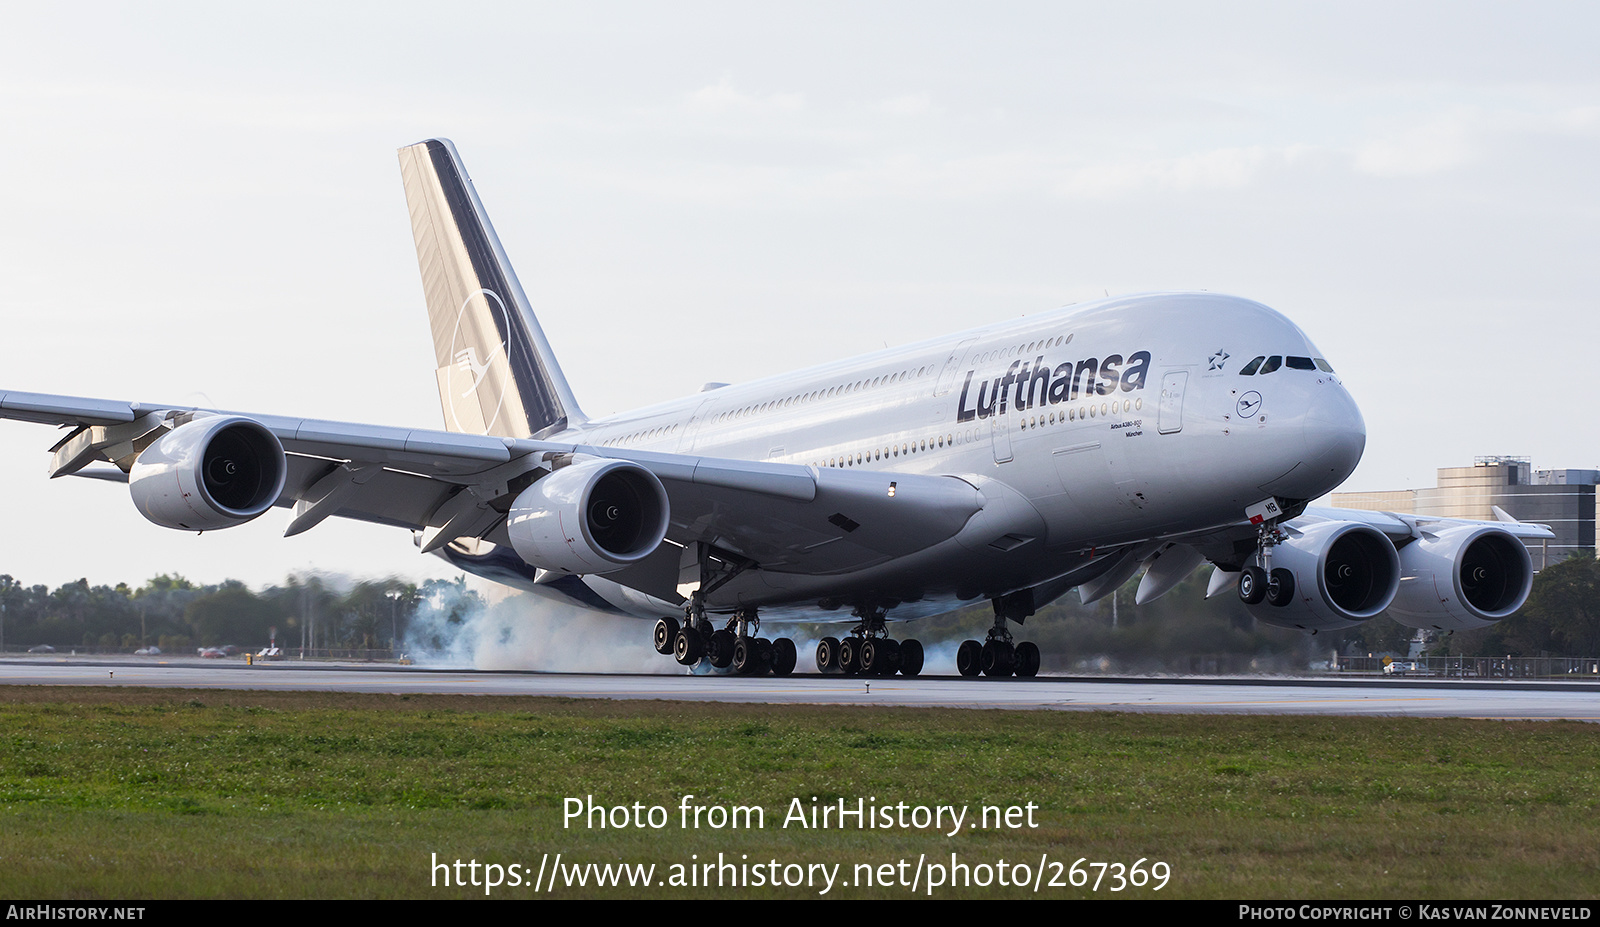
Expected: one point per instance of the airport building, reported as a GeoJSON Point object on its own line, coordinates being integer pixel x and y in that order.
{"type": "Point", "coordinates": [1562, 499]}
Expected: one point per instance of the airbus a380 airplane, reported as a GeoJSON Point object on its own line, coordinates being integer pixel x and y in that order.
{"type": "Point", "coordinates": [1012, 463]}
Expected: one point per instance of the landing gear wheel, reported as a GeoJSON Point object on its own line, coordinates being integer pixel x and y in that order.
{"type": "Point", "coordinates": [666, 634]}
{"type": "Point", "coordinates": [784, 656]}
{"type": "Point", "coordinates": [1027, 659]}
{"type": "Point", "coordinates": [720, 648]}
{"type": "Point", "coordinates": [910, 658]}
{"type": "Point", "coordinates": [997, 658]}
{"type": "Point", "coordinates": [872, 657]}
{"type": "Point", "coordinates": [763, 655]}
{"type": "Point", "coordinates": [828, 655]}
{"type": "Point", "coordinates": [746, 656]}
{"type": "Point", "coordinates": [888, 656]}
{"type": "Point", "coordinates": [850, 656]}
{"type": "Point", "coordinates": [1252, 585]}
{"type": "Point", "coordinates": [1280, 588]}
{"type": "Point", "coordinates": [968, 657]}
{"type": "Point", "coordinates": [687, 647]}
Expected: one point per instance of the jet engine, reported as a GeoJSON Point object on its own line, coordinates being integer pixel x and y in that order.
{"type": "Point", "coordinates": [1339, 574]}
{"type": "Point", "coordinates": [590, 517]}
{"type": "Point", "coordinates": [1465, 577]}
{"type": "Point", "coordinates": [212, 472]}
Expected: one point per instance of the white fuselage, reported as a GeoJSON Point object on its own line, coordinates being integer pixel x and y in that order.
{"type": "Point", "coordinates": [1117, 422]}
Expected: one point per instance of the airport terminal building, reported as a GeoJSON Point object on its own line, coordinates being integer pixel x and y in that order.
{"type": "Point", "coordinates": [1562, 499]}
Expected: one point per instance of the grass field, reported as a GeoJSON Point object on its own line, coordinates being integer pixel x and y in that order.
{"type": "Point", "coordinates": [161, 794]}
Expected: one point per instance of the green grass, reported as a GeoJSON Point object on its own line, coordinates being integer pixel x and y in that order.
{"type": "Point", "coordinates": [151, 793]}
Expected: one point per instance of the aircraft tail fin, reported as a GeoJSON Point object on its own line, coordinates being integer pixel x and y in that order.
{"type": "Point", "coordinates": [496, 373]}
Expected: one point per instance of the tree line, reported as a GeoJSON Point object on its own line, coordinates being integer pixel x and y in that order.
{"type": "Point", "coordinates": [1561, 618]}
{"type": "Point", "coordinates": [178, 616]}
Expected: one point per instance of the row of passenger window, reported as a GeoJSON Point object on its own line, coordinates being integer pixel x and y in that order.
{"type": "Point", "coordinates": [861, 458]}
{"type": "Point", "coordinates": [849, 388]}
{"type": "Point", "coordinates": [900, 377]}
{"type": "Point", "coordinates": [984, 357]}
{"type": "Point", "coordinates": [647, 435]}
{"type": "Point", "coordinates": [1266, 364]}
{"type": "Point", "coordinates": [842, 390]}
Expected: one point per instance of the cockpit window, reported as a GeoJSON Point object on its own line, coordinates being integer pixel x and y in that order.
{"type": "Point", "coordinates": [1323, 365]}
{"type": "Point", "coordinates": [1273, 363]}
{"type": "Point", "coordinates": [1249, 369]}
{"type": "Point", "coordinates": [1301, 363]}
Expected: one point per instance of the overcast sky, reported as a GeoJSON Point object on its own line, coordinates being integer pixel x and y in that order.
{"type": "Point", "coordinates": [201, 204]}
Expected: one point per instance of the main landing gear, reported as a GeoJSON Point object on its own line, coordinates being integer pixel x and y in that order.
{"type": "Point", "coordinates": [998, 655]}
{"type": "Point", "coordinates": [1259, 582]}
{"type": "Point", "coordinates": [868, 650]}
{"type": "Point", "coordinates": [734, 645]}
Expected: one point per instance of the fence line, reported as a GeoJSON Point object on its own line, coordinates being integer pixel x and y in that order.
{"type": "Point", "coordinates": [1477, 667]}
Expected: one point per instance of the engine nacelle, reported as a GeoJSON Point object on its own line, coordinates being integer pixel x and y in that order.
{"type": "Point", "coordinates": [213, 472]}
{"type": "Point", "coordinates": [1465, 577]}
{"type": "Point", "coordinates": [591, 517]}
{"type": "Point", "coordinates": [1344, 573]}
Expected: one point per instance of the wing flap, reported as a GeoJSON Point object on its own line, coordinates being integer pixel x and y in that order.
{"type": "Point", "coordinates": [387, 497]}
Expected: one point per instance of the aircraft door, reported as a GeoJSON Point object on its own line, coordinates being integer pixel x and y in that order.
{"type": "Point", "coordinates": [952, 365]}
{"type": "Point", "coordinates": [1000, 436]}
{"type": "Point", "coordinates": [1170, 416]}
{"type": "Point", "coordinates": [691, 428]}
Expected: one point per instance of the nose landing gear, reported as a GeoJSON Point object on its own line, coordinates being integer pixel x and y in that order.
{"type": "Point", "coordinates": [1259, 582]}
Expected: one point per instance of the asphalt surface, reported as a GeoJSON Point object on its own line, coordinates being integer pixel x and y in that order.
{"type": "Point", "coordinates": [1428, 698]}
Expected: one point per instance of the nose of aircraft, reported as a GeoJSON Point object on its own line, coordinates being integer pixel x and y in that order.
{"type": "Point", "coordinates": [1335, 435]}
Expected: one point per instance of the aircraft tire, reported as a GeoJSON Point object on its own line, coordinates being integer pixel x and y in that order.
{"type": "Point", "coordinates": [1252, 585]}
{"type": "Point", "coordinates": [828, 655]}
{"type": "Point", "coordinates": [1280, 588]}
{"type": "Point", "coordinates": [746, 656]}
{"type": "Point", "coordinates": [1027, 659]}
{"type": "Point", "coordinates": [871, 657]}
{"type": "Point", "coordinates": [784, 656]}
{"type": "Point", "coordinates": [997, 658]}
{"type": "Point", "coordinates": [720, 649]}
{"type": "Point", "coordinates": [968, 658]}
{"type": "Point", "coordinates": [888, 656]}
{"type": "Point", "coordinates": [687, 647]}
{"type": "Point", "coordinates": [666, 635]}
{"type": "Point", "coordinates": [910, 658]}
{"type": "Point", "coordinates": [850, 656]}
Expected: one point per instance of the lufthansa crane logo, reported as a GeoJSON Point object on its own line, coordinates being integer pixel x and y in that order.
{"type": "Point", "coordinates": [476, 347]}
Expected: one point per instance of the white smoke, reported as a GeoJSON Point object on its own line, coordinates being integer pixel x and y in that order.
{"type": "Point", "coordinates": [457, 628]}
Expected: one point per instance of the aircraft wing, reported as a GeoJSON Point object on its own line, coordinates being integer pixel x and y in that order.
{"type": "Point", "coordinates": [449, 486]}
{"type": "Point", "coordinates": [1401, 528]}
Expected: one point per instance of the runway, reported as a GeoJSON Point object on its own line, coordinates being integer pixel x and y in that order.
{"type": "Point", "coordinates": [1201, 695]}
